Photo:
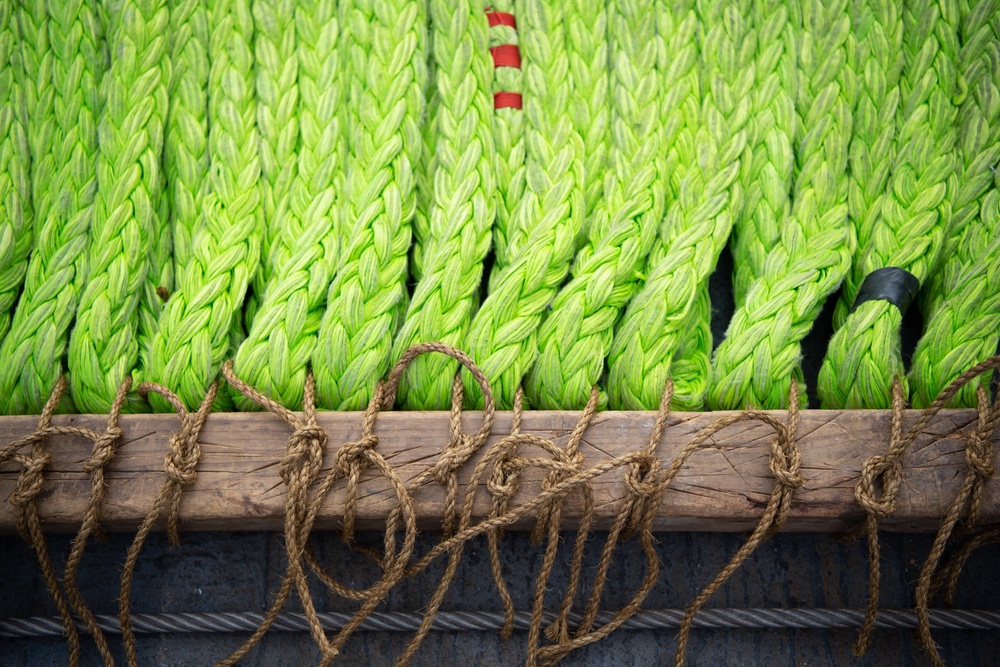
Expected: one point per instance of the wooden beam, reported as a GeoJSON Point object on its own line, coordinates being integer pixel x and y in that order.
{"type": "Point", "coordinates": [723, 487]}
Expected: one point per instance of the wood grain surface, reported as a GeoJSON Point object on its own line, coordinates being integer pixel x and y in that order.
{"type": "Point", "coordinates": [723, 486]}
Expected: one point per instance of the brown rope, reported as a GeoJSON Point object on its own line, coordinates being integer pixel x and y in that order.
{"type": "Point", "coordinates": [180, 464]}
{"type": "Point", "coordinates": [881, 480]}
{"type": "Point", "coordinates": [23, 498]}
{"type": "Point", "coordinates": [105, 447]}
{"type": "Point", "coordinates": [947, 578]}
{"type": "Point", "coordinates": [979, 453]}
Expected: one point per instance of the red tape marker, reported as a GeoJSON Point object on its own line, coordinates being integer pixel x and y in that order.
{"type": "Point", "coordinates": [506, 100]}
{"type": "Point", "coordinates": [506, 55]}
{"type": "Point", "coordinates": [500, 18]}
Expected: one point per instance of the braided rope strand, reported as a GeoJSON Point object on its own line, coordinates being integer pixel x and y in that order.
{"type": "Point", "coordinates": [464, 205]}
{"type": "Point", "coordinates": [761, 354]}
{"type": "Point", "coordinates": [709, 155]}
{"type": "Point", "coordinates": [276, 80]}
{"type": "Point", "coordinates": [508, 137]}
{"type": "Point", "coordinates": [542, 234]}
{"type": "Point", "coordinates": [965, 327]}
{"type": "Point", "coordinates": [15, 166]}
{"type": "Point", "coordinates": [768, 186]}
{"type": "Point", "coordinates": [878, 30]}
{"type": "Point", "coordinates": [864, 358]}
{"type": "Point", "coordinates": [978, 148]}
{"type": "Point", "coordinates": [192, 340]}
{"type": "Point", "coordinates": [103, 347]}
{"type": "Point", "coordinates": [368, 295]}
{"type": "Point", "coordinates": [63, 194]}
{"type": "Point", "coordinates": [281, 340]}
{"type": "Point", "coordinates": [575, 337]}
{"type": "Point", "coordinates": [186, 144]}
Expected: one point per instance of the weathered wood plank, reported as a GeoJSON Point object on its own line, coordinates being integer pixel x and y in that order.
{"type": "Point", "coordinates": [723, 487]}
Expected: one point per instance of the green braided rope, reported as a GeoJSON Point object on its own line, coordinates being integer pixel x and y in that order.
{"type": "Point", "coordinates": [542, 234]}
{"type": "Point", "coordinates": [767, 197]}
{"type": "Point", "coordinates": [878, 30]}
{"type": "Point", "coordinates": [962, 310]}
{"type": "Point", "coordinates": [185, 147]}
{"type": "Point", "coordinates": [979, 144]}
{"type": "Point", "coordinates": [193, 337]}
{"type": "Point", "coordinates": [464, 206]}
{"type": "Point", "coordinates": [965, 328]}
{"type": "Point", "coordinates": [590, 108]}
{"type": "Point", "coordinates": [275, 75]}
{"type": "Point", "coordinates": [708, 157]}
{"type": "Point", "coordinates": [761, 353]}
{"type": "Point", "coordinates": [367, 296]}
{"type": "Point", "coordinates": [281, 340]}
{"type": "Point", "coordinates": [103, 347]}
{"type": "Point", "coordinates": [63, 193]}
{"type": "Point", "coordinates": [15, 166]}
{"type": "Point", "coordinates": [575, 337]}
{"type": "Point", "coordinates": [508, 137]}
{"type": "Point", "coordinates": [863, 358]}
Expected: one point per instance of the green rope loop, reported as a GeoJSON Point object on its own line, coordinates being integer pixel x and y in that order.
{"type": "Point", "coordinates": [575, 337]}
{"type": "Point", "coordinates": [464, 204]}
{"type": "Point", "coordinates": [541, 236]}
{"type": "Point", "coordinates": [62, 125]}
{"type": "Point", "coordinates": [878, 32]}
{"type": "Point", "coordinates": [962, 306]}
{"type": "Point", "coordinates": [761, 353]}
{"type": "Point", "coordinates": [282, 337]}
{"type": "Point", "coordinates": [193, 336]}
{"type": "Point", "coordinates": [368, 295]}
{"type": "Point", "coordinates": [103, 347]}
{"type": "Point", "coordinates": [15, 165]}
{"type": "Point", "coordinates": [508, 138]}
{"type": "Point", "coordinates": [863, 359]}
{"type": "Point", "coordinates": [708, 157]}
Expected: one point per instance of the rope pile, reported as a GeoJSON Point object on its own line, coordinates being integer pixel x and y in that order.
{"type": "Point", "coordinates": [259, 204]}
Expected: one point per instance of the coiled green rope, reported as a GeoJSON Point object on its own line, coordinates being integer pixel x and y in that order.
{"type": "Point", "coordinates": [185, 150]}
{"type": "Point", "coordinates": [15, 166]}
{"type": "Point", "coordinates": [707, 195]}
{"type": "Point", "coordinates": [761, 353]}
{"type": "Point", "coordinates": [192, 339]}
{"type": "Point", "coordinates": [541, 236]}
{"type": "Point", "coordinates": [875, 59]}
{"type": "Point", "coordinates": [103, 347]}
{"type": "Point", "coordinates": [508, 138]}
{"type": "Point", "coordinates": [962, 309]}
{"type": "Point", "coordinates": [575, 337]}
{"type": "Point", "coordinates": [863, 358]}
{"type": "Point", "coordinates": [63, 188]}
{"type": "Point", "coordinates": [276, 77]}
{"type": "Point", "coordinates": [464, 205]}
{"type": "Point", "coordinates": [768, 185]}
{"type": "Point", "coordinates": [281, 340]}
{"type": "Point", "coordinates": [368, 295]}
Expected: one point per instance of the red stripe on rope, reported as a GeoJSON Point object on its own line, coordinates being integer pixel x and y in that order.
{"type": "Point", "coordinates": [506, 55]}
{"type": "Point", "coordinates": [506, 100]}
{"type": "Point", "coordinates": [500, 18]}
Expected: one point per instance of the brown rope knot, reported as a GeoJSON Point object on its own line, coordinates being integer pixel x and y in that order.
{"type": "Point", "coordinates": [642, 477]}
{"type": "Point", "coordinates": [304, 451]}
{"type": "Point", "coordinates": [105, 446]}
{"type": "Point", "coordinates": [454, 457]}
{"type": "Point", "coordinates": [353, 455]}
{"type": "Point", "coordinates": [979, 454]}
{"type": "Point", "coordinates": [181, 460]}
{"type": "Point", "coordinates": [881, 479]}
{"type": "Point", "coordinates": [31, 479]}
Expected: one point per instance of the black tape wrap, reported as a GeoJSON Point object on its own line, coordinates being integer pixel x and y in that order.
{"type": "Point", "coordinates": [897, 286]}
